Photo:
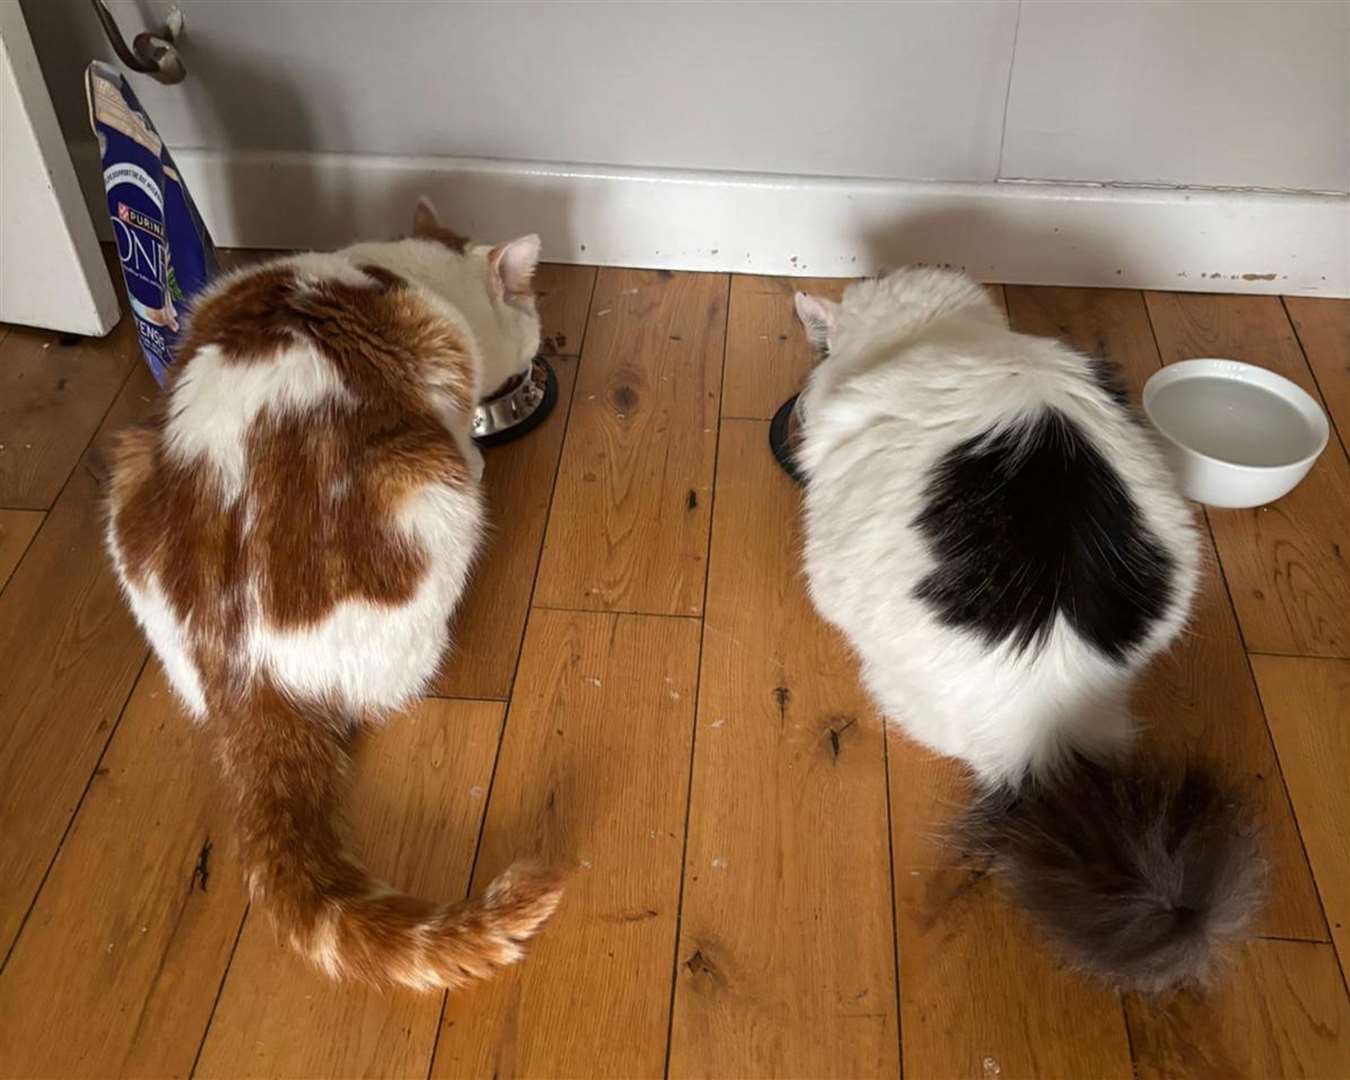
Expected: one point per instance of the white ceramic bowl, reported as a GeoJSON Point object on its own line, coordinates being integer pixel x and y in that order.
{"type": "Point", "coordinates": [1238, 435]}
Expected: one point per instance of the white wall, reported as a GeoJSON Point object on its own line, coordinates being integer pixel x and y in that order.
{"type": "Point", "coordinates": [327, 97]}
{"type": "Point", "coordinates": [1202, 92]}
{"type": "Point", "coordinates": [1215, 94]}
{"type": "Point", "coordinates": [833, 89]}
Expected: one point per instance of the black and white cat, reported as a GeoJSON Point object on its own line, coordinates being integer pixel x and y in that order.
{"type": "Point", "coordinates": [998, 536]}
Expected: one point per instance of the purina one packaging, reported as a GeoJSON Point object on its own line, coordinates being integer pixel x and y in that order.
{"type": "Point", "coordinates": [165, 251]}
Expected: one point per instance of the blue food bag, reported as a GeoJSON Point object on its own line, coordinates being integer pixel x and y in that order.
{"type": "Point", "coordinates": [166, 253]}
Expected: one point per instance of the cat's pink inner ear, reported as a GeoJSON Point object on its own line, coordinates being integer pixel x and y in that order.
{"type": "Point", "coordinates": [513, 265]}
{"type": "Point", "coordinates": [424, 217]}
{"type": "Point", "coordinates": [817, 315]}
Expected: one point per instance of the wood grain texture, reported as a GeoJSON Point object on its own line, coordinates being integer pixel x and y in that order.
{"type": "Point", "coordinates": [52, 398]}
{"type": "Point", "coordinates": [518, 479]}
{"type": "Point", "coordinates": [637, 465]}
{"type": "Point", "coordinates": [1198, 700]}
{"type": "Point", "coordinates": [1323, 328]}
{"type": "Point", "coordinates": [788, 943]}
{"type": "Point", "coordinates": [118, 966]}
{"type": "Point", "coordinates": [419, 792]}
{"type": "Point", "coordinates": [17, 529]}
{"type": "Point", "coordinates": [592, 777]}
{"type": "Point", "coordinates": [981, 994]}
{"type": "Point", "coordinates": [1286, 563]}
{"type": "Point", "coordinates": [768, 356]}
{"type": "Point", "coordinates": [563, 297]}
{"type": "Point", "coordinates": [1308, 706]}
{"type": "Point", "coordinates": [787, 815]}
{"type": "Point", "coordinates": [69, 653]}
{"type": "Point", "coordinates": [1280, 1012]}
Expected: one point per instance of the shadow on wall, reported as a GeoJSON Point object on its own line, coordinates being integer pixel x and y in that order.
{"type": "Point", "coordinates": [327, 200]}
{"type": "Point", "coordinates": [373, 199]}
{"type": "Point", "coordinates": [983, 244]}
{"type": "Point", "coordinates": [224, 86]}
{"type": "Point", "coordinates": [324, 201]}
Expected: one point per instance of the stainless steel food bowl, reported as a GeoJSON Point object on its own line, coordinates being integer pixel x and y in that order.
{"type": "Point", "coordinates": [518, 407]}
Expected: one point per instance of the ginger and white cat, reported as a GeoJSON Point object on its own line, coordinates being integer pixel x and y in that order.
{"type": "Point", "coordinates": [996, 533]}
{"type": "Point", "coordinates": [294, 532]}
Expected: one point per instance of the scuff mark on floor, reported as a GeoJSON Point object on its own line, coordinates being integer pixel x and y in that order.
{"type": "Point", "coordinates": [201, 872]}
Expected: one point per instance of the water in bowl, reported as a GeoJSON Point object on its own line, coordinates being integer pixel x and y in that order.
{"type": "Point", "coordinates": [1233, 421]}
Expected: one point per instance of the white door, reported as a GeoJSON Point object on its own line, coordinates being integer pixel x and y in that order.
{"type": "Point", "coordinates": [52, 273]}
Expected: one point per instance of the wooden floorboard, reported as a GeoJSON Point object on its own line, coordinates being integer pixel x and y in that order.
{"type": "Point", "coordinates": [17, 529]}
{"type": "Point", "coordinates": [1281, 1011]}
{"type": "Point", "coordinates": [787, 815]}
{"type": "Point", "coordinates": [518, 480]}
{"type": "Point", "coordinates": [1308, 705]}
{"type": "Point", "coordinates": [592, 779]}
{"type": "Point", "coordinates": [755, 887]}
{"type": "Point", "coordinates": [1198, 700]}
{"type": "Point", "coordinates": [637, 466]}
{"type": "Point", "coordinates": [1286, 564]}
{"type": "Point", "coordinates": [1323, 328]}
{"type": "Point", "coordinates": [69, 651]}
{"type": "Point", "coordinates": [118, 967]}
{"type": "Point", "coordinates": [563, 300]}
{"type": "Point", "coordinates": [53, 397]}
{"type": "Point", "coordinates": [768, 356]}
{"type": "Point", "coordinates": [980, 993]}
{"type": "Point", "coordinates": [419, 793]}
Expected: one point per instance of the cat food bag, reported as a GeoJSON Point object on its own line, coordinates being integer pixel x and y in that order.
{"type": "Point", "coordinates": [165, 251]}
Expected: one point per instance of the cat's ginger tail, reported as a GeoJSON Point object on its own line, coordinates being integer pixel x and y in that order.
{"type": "Point", "coordinates": [284, 764]}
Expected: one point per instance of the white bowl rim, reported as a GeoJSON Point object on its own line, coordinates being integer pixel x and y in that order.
{"type": "Point", "coordinates": [1267, 379]}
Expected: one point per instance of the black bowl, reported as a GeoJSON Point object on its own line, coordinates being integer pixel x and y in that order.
{"type": "Point", "coordinates": [781, 439]}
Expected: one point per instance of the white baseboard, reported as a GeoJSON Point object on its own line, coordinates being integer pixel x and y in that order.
{"type": "Point", "coordinates": [1028, 233]}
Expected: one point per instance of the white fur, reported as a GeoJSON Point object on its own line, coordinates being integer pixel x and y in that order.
{"type": "Point", "coordinates": [460, 288]}
{"type": "Point", "coordinates": [919, 362]}
{"type": "Point", "coordinates": [166, 631]}
{"type": "Point", "coordinates": [368, 657]}
{"type": "Point", "coordinates": [216, 401]}
{"type": "Point", "coordinates": [374, 658]}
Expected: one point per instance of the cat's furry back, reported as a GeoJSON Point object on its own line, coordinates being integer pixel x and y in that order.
{"type": "Point", "coordinates": [294, 531]}
{"type": "Point", "coordinates": [1000, 539]}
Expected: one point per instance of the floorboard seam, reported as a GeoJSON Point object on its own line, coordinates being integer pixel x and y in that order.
{"type": "Point", "coordinates": [698, 694]}
{"type": "Point", "coordinates": [1251, 675]}
{"type": "Point", "coordinates": [26, 549]}
{"type": "Point", "coordinates": [520, 650]}
{"type": "Point", "coordinates": [1307, 360]}
{"type": "Point", "coordinates": [220, 989]}
{"type": "Point", "coordinates": [75, 812]}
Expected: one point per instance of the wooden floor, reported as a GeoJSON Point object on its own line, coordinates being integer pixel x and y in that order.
{"type": "Point", "coordinates": [642, 694]}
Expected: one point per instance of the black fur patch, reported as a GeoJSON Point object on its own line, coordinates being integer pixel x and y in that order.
{"type": "Point", "coordinates": [1141, 876]}
{"type": "Point", "coordinates": [1109, 380]}
{"type": "Point", "coordinates": [1033, 521]}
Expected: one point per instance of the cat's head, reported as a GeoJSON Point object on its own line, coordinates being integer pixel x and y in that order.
{"type": "Point", "coordinates": [889, 306]}
{"type": "Point", "coordinates": [492, 288]}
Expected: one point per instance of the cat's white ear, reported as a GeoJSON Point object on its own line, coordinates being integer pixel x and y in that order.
{"type": "Point", "coordinates": [513, 265]}
{"type": "Point", "coordinates": [424, 217]}
{"type": "Point", "coordinates": [817, 315]}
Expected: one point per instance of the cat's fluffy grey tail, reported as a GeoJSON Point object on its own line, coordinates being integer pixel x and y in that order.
{"type": "Point", "coordinates": [1139, 877]}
